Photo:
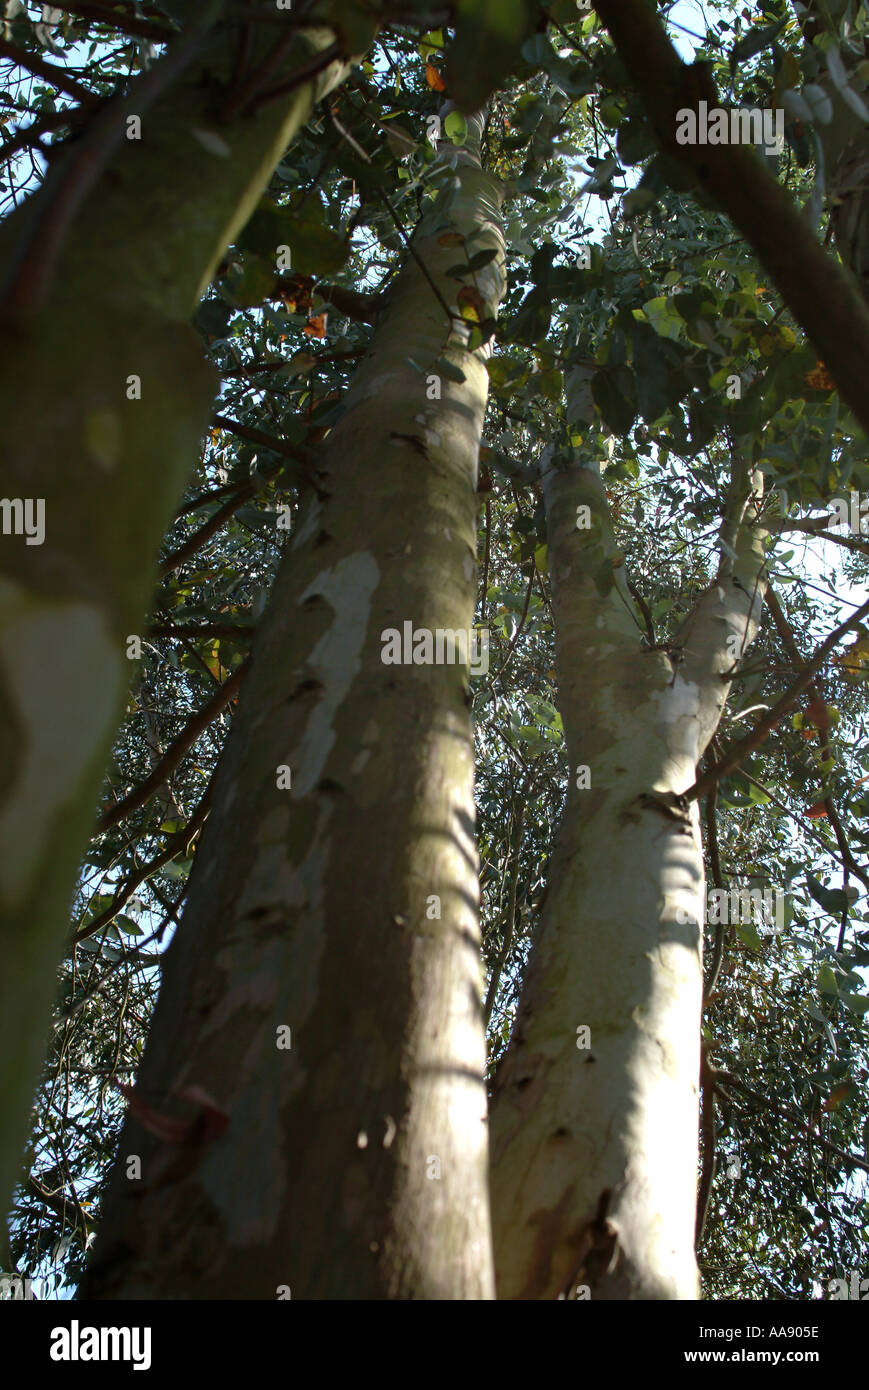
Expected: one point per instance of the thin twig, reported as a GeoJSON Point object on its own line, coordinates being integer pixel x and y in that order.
{"type": "Point", "coordinates": [755, 737]}
{"type": "Point", "coordinates": [162, 771]}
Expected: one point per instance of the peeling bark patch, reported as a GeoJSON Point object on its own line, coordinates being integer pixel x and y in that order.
{"type": "Point", "coordinates": [265, 974]}
{"type": "Point", "coordinates": [46, 646]}
{"type": "Point", "coordinates": [547, 1242]}
{"type": "Point", "coordinates": [336, 659]}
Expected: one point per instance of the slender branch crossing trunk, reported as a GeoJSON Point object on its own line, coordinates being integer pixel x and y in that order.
{"type": "Point", "coordinates": [343, 908]}
{"type": "Point", "coordinates": [104, 398]}
{"type": "Point", "coordinates": [594, 1116]}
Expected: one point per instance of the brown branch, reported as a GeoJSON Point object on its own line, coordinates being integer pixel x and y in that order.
{"type": "Point", "coordinates": [68, 1211]}
{"type": "Point", "coordinates": [203, 499]}
{"type": "Point", "coordinates": [124, 23]}
{"type": "Point", "coordinates": [823, 296]}
{"type": "Point", "coordinates": [208, 529]}
{"type": "Point", "coordinates": [486, 557]}
{"type": "Point", "coordinates": [31, 134]}
{"type": "Point", "coordinates": [855, 543]}
{"type": "Point", "coordinates": [755, 737]}
{"type": "Point", "coordinates": [239, 492]}
{"type": "Point", "coordinates": [498, 968]}
{"type": "Point", "coordinates": [516, 635]}
{"type": "Point", "coordinates": [787, 1114]}
{"type": "Point", "coordinates": [268, 441]}
{"type": "Point", "coordinates": [786, 636]}
{"type": "Point", "coordinates": [272, 364]}
{"type": "Point", "coordinates": [177, 844]}
{"type": "Point", "coordinates": [707, 1131]}
{"type": "Point", "coordinates": [231, 631]}
{"type": "Point", "coordinates": [362, 308]}
{"type": "Point", "coordinates": [162, 771]}
{"type": "Point", "coordinates": [47, 72]}
{"type": "Point", "coordinates": [303, 73]}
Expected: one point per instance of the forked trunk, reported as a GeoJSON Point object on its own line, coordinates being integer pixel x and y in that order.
{"type": "Point", "coordinates": [594, 1116]}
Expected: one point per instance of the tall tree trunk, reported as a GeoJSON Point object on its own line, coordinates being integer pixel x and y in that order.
{"type": "Point", "coordinates": [594, 1136]}
{"type": "Point", "coordinates": [354, 1163]}
{"type": "Point", "coordinates": [104, 398]}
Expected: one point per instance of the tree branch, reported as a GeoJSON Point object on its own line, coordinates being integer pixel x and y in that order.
{"type": "Point", "coordinates": [755, 737]}
{"type": "Point", "coordinates": [788, 1114]}
{"type": "Point", "coordinates": [162, 771]}
{"type": "Point", "coordinates": [47, 72]}
{"type": "Point", "coordinates": [821, 294]}
{"type": "Point", "coordinates": [123, 22]}
{"type": "Point", "coordinates": [208, 529]}
{"type": "Point", "coordinates": [177, 844]}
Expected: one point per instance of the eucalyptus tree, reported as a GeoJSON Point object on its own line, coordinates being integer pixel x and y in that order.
{"type": "Point", "coordinates": [658, 425]}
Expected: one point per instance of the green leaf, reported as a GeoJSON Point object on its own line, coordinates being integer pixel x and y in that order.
{"type": "Point", "coordinates": [827, 980]}
{"type": "Point", "coordinates": [820, 1017]}
{"type": "Point", "coordinates": [177, 868]}
{"type": "Point", "coordinates": [356, 26]}
{"type": "Point", "coordinates": [551, 384]}
{"type": "Point", "coordinates": [614, 391]}
{"type": "Point", "coordinates": [747, 933]}
{"type": "Point", "coordinates": [755, 41]}
{"type": "Point", "coordinates": [483, 258]}
{"type": "Point", "coordinates": [126, 924]}
{"type": "Point", "coordinates": [655, 377]}
{"type": "Point", "coordinates": [256, 282]}
{"type": "Point", "coordinates": [315, 248]}
{"type": "Point", "coordinates": [449, 369]}
{"type": "Point", "coordinates": [456, 127]}
{"type": "Point", "coordinates": [212, 317]}
{"type": "Point", "coordinates": [857, 1003]}
{"type": "Point", "coordinates": [636, 141]}
{"type": "Point", "coordinates": [832, 900]}
{"type": "Point", "coordinates": [664, 316]}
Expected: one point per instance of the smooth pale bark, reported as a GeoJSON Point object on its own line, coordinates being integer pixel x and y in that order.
{"type": "Point", "coordinates": [594, 1149]}
{"type": "Point", "coordinates": [109, 470]}
{"type": "Point", "coordinates": [354, 1164]}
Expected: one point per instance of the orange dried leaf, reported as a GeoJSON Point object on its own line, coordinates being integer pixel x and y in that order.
{"type": "Point", "coordinates": [316, 327]}
{"type": "Point", "coordinates": [434, 79]}
{"type": "Point", "coordinates": [844, 1091]}
{"type": "Point", "coordinates": [816, 812]}
{"type": "Point", "coordinates": [819, 378]}
{"type": "Point", "coordinates": [471, 304]}
{"type": "Point", "coordinates": [816, 710]}
{"type": "Point", "coordinates": [450, 239]}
